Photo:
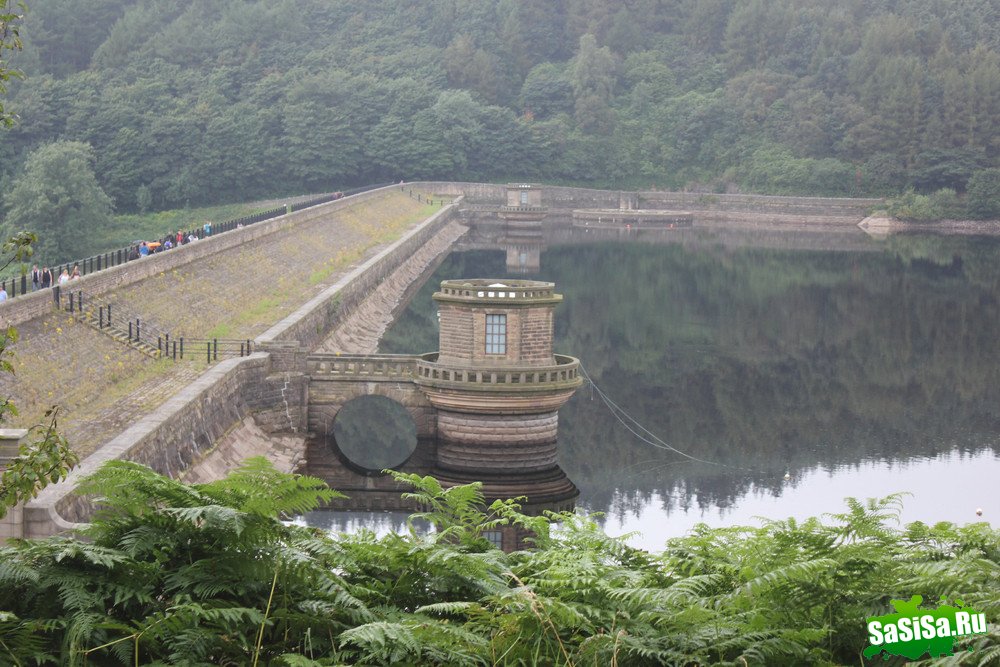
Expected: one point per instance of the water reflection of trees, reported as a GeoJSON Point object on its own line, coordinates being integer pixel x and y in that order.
{"type": "Point", "coordinates": [764, 360]}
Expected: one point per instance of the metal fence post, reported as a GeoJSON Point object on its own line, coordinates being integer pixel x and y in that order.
{"type": "Point", "coordinates": [24, 284]}
{"type": "Point", "coordinates": [215, 346]}
{"type": "Point", "coordinates": [182, 347]}
{"type": "Point", "coordinates": [137, 329]}
{"type": "Point", "coordinates": [208, 352]}
{"type": "Point", "coordinates": [101, 311]}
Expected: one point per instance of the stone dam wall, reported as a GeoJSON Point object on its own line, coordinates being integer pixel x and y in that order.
{"type": "Point", "coordinates": [559, 200]}
{"type": "Point", "coordinates": [267, 387]}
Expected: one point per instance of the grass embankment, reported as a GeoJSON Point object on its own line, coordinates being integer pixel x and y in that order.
{"type": "Point", "coordinates": [59, 361]}
{"type": "Point", "coordinates": [240, 293]}
{"type": "Point", "coordinates": [101, 385]}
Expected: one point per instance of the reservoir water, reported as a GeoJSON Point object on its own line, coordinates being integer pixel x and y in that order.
{"type": "Point", "coordinates": [733, 381]}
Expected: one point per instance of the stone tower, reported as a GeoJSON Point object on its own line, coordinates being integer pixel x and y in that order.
{"type": "Point", "coordinates": [497, 387]}
{"type": "Point", "coordinates": [523, 215]}
{"type": "Point", "coordinates": [523, 212]}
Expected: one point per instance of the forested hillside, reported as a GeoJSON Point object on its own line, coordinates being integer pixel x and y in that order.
{"type": "Point", "coordinates": [191, 103]}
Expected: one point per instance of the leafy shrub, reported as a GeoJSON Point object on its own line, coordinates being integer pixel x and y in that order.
{"type": "Point", "coordinates": [984, 194]}
{"type": "Point", "coordinates": [940, 205]}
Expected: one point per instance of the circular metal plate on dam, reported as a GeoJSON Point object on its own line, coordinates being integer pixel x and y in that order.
{"type": "Point", "coordinates": [374, 433]}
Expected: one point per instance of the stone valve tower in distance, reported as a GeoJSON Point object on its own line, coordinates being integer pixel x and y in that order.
{"type": "Point", "coordinates": [497, 387]}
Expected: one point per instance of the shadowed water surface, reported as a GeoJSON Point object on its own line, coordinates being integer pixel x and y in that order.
{"type": "Point", "coordinates": [853, 373]}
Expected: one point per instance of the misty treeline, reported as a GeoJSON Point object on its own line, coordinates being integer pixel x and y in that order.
{"type": "Point", "coordinates": [199, 103]}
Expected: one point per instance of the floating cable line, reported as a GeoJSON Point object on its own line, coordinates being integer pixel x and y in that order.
{"type": "Point", "coordinates": [621, 415]}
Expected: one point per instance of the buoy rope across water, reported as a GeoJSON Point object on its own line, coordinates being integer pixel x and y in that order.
{"type": "Point", "coordinates": [645, 435]}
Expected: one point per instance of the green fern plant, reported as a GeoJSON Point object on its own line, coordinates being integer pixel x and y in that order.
{"type": "Point", "coordinates": [211, 574]}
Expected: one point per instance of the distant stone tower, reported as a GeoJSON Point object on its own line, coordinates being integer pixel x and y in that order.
{"type": "Point", "coordinates": [497, 387]}
{"type": "Point", "coordinates": [523, 211]}
{"type": "Point", "coordinates": [523, 215]}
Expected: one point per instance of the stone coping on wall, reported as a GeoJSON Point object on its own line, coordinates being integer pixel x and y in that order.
{"type": "Point", "coordinates": [57, 508]}
{"type": "Point", "coordinates": [484, 194]}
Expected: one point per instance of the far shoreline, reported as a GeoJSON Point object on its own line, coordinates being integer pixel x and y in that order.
{"type": "Point", "coordinates": [884, 226]}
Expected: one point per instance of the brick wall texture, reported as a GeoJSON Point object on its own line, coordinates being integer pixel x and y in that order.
{"type": "Point", "coordinates": [463, 335]}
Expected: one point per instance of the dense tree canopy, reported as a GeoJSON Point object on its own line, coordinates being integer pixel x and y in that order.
{"type": "Point", "coordinates": [58, 197]}
{"type": "Point", "coordinates": [194, 103]}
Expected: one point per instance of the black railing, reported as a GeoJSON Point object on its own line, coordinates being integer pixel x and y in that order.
{"type": "Point", "coordinates": [127, 323]}
{"type": "Point", "coordinates": [19, 285]}
{"type": "Point", "coordinates": [420, 198]}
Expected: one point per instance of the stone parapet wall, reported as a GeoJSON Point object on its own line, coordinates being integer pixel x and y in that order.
{"type": "Point", "coordinates": [474, 193]}
{"type": "Point", "coordinates": [169, 440]}
{"type": "Point", "coordinates": [819, 206]}
{"type": "Point", "coordinates": [24, 308]}
{"type": "Point", "coordinates": [482, 200]}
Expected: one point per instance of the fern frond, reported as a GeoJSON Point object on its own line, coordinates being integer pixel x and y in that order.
{"type": "Point", "coordinates": [383, 642]}
{"type": "Point", "coordinates": [14, 572]}
{"type": "Point", "coordinates": [257, 487]}
{"type": "Point", "coordinates": [788, 575]}
{"type": "Point", "coordinates": [456, 608]}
